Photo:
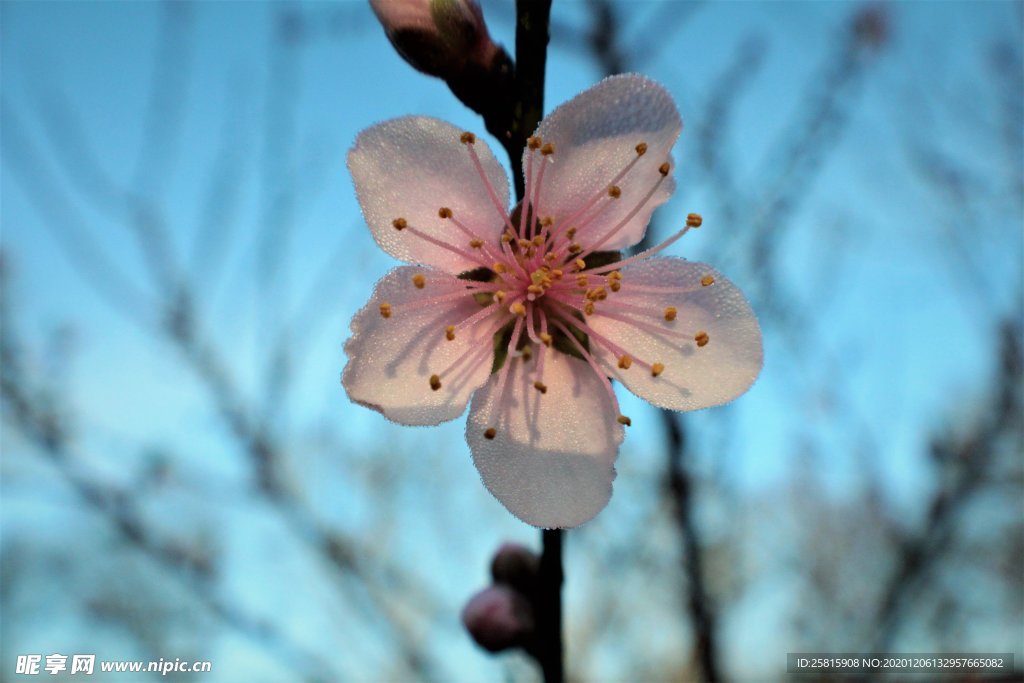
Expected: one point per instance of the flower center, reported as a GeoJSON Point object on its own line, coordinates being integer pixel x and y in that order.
{"type": "Point", "coordinates": [546, 275]}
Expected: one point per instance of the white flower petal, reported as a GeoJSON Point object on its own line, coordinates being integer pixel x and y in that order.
{"type": "Point", "coordinates": [392, 359]}
{"type": "Point", "coordinates": [694, 377]}
{"type": "Point", "coordinates": [551, 462]}
{"type": "Point", "coordinates": [595, 135]}
{"type": "Point", "coordinates": [411, 167]}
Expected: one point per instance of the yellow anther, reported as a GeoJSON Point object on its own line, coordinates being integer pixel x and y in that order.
{"type": "Point", "coordinates": [701, 338]}
{"type": "Point", "coordinates": [507, 237]}
{"type": "Point", "coordinates": [399, 224]}
{"type": "Point", "coordinates": [467, 138]}
{"type": "Point", "coordinates": [499, 296]}
{"type": "Point", "coordinates": [535, 289]}
{"type": "Point", "coordinates": [664, 168]}
{"type": "Point", "coordinates": [490, 433]}
{"type": "Point", "coordinates": [533, 142]}
{"type": "Point", "coordinates": [581, 280]}
{"type": "Point", "coordinates": [694, 220]}
{"type": "Point", "coordinates": [523, 244]}
{"type": "Point", "coordinates": [670, 313]}
{"type": "Point", "coordinates": [435, 382]}
{"type": "Point", "coordinates": [527, 352]}
{"type": "Point", "coordinates": [385, 310]}
{"type": "Point", "coordinates": [614, 192]}
{"type": "Point", "coordinates": [615, 275]}
{"type": "Point", "coordinates": [550, 256]}
{"type": "Point", "coordinates": [641, 149]}
{"type": "Point", "coordinates": [547, 149]}
{"type": "Point", "coordinates": [575, 248]}
{"type": "Point", "coordinates": [615, 285]}
{"type": "Point", "coordinates": [597, 294]}
{"type": "Point", "coordinates": [557, 273]}
{"type": "Point", "coordinates": [657, 369]}
{"type": "Point", "coordinates": [449, 332]}
{"type": "Point", "coordinates": [707, 281]}
{"type": "Point", "coordinates": [570, 233]}
{"type": "Point", "coordinates": [546, 221]}
{"type": "Point", "coordinates": [517, 308]}
{"type": "Point", "coordinates": [623, 420]}
{"type": "Point", "coordinates": [625, 362]}
{"type": "Point", "coordinates": [538, 240]}
{"type": "Point", "coordinates": [546, 338]}
{"type": "Point", "coordinates": [588, 308]}
{"type": "Point", "coordinates": [540, 386]}
{"type": "Point", "coordinates": [419, 280]}
{"type": "Point", "coordinates": [444, 212]}
{"type": "Point", "coordinates": [580, 264]}
{"type": "Point", "coordinates": [500, 267]}
{"type": "Point", "coordinates": [476, 244]}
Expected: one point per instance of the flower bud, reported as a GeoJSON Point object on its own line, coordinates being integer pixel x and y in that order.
{"type": "Point", "coordinates": [498, 618]}
{"type": "Point", "coordinates": [516, 566]}
{"type": "Point", "coordinates": [437, 37]}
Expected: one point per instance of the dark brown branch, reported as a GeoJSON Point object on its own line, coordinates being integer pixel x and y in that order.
{"type": "Point", "coordinates": [699, 602]}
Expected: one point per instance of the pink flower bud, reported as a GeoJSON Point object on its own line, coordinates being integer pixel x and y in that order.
{"type": "Point", "coordinates": [437, 37]}
{"type": "Point", "coordinates": [516, 566]}
{"type": "Point", "coordinates": [498, 618]}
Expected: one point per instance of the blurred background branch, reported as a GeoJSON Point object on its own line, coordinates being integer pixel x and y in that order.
{"type": "Point", "coordinates": [181, 465]}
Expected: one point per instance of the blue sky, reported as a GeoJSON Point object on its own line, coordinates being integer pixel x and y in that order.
{"type": "Point", "coordinates": [906, 331]}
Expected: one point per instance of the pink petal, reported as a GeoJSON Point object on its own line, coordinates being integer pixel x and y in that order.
{"type": "Point", "coordinates": [551, 460]}
{"type": "Point", "coordinates": [694, 377]}
{"type": "Point", "coordinates": [412, 166]}
{"type": "Point", "coordinates": [595, 135]}
{"type": "Point", "coordinates": [391, 359]}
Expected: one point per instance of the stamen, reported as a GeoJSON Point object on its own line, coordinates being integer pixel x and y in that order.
{"type": "Point", "coordinates": [546, 338]}
{"type": "Point", "coordinates": [643, 254]}
{"type": "Point", "coordinates": [449, 333]}
{"type": "Point", "coordinates": [664, 169]}
{"type": "Point", "coordinates": [623, 420]}
{"type": "Point", "coordinates": [468, 255]}
{"type": "Point", "coordinates": [499, 267]}
{"type": "Point", "coordinates": [701, 338]}
{"type": "Point", "coordinates": [580, 264]}
{"type": "Point", "coordinates": [385, 310]}
{"type": "Point", "coordinates": [694, 220]}
{"type": "Point", "coordinates": [657, 369]}
{"type": "Point", "coordinates": [628, 217]}
{"type": "Point", "coordinates": [444, 212]}
{"type": "Point", "coordinates": [540, 386]}
{"type": "Point", "coordinates": [502, 211]}
{"type": "Point", "coordinates": [707, 281]}
{"type": "Point", "coordinates": [641, 149]}
{"type": "Point", "coordinates": [476, 244]}
{"type": "Point", "coordinates": [467, 138]}
{"type": "Point", "coordinates": [547, 149]}
{"type": "Point", "coordinates": [517, 309]}
{"type": "Point", "coordinates": [625, 362]}
{"type": "Point", "coordinates": [499, 392]}
{"type": "Point", "coordinates": [435, 382]}
{"type": "Point", "coordinates": [534, 142]}
{"type": "Point", "coordinates": [614, 192]}
{"type": "Point", "coordinates": [590, 361]}
{"type": "Point", "coordinates": [670, 313]}
{"type": "Point", "coordinates": [419, 280]}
